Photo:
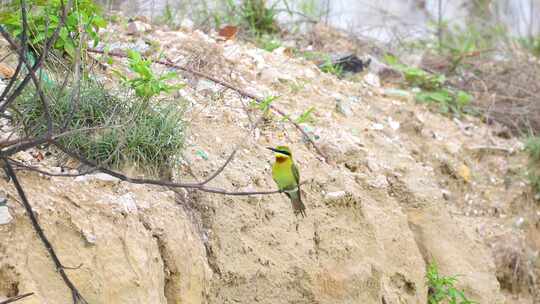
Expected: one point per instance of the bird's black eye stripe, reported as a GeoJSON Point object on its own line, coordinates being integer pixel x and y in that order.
{"type": "Point", "coordinates": [284, 152]}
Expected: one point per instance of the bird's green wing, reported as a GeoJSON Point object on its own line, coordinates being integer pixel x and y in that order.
{"type": "Point", "coordinates": [296, 174]}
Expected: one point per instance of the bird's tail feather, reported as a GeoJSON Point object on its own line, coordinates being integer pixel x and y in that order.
{"type": "Point", "coordinates": [296, 200]}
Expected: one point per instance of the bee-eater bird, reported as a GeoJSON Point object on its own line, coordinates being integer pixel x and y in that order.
{"type": "Point", "coordinates": [286, 175]}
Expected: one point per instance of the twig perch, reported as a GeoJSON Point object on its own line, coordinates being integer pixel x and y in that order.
{"type": "Point", "coordinates": [201, 186]}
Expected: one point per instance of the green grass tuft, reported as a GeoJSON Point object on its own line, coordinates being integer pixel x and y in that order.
{"type": "Point", "coordinates": [124, 130]}
{"type": "Point", "coordinates": [442, 289]}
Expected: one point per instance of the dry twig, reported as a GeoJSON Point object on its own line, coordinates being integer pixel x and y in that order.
{"type": "Point", "coordinates": [16, 298]}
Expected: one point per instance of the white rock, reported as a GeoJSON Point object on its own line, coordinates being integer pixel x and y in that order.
{"type": "Point", "coordinates": [309, 73]}
{"type": "Point", "coordinates": [272, 75]}
{"type": "Point", "coordinates": [393, 124]}
{"type": "Point", "coordinates": [55, 170]}
{"type": "Point", "coordinates": [5, 216]}
{"type": "Point", "coordinates": [334, 196]}
{"type": "Point", "coordinates": [97, 177]}
{"type": "Point", "coordinates": [127, 203]}
{"type": "Point", "coordinates": [344, 107]}
{"type": "Point", "coordinates": [203, 85]}
{"type": "Point", "coordinates": [89, 237]}
{"type": "Point", "coordinates": [136, 27]}
{"type": "Point", "coordinates": [373, 80]}
{"type": "Point", "coordinates": [446, 194]}
{"type": "Point", "coordinates": [375, 66]}
{"type": "Point", "coordinates": [379, 181]}
{"type": "Point", "coordinates": [372, 164]}
{"type": "Point", "coordinates": [519, 222]}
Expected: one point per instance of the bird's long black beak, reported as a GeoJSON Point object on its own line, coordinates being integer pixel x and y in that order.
{"type": "Point", "coordinates": [272, 149]}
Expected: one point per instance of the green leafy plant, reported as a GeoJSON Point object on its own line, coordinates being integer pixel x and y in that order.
{"type": "Point", "coordinates": [306, 116]}
{"type": "Point", "coordinates": [327, 66]}
{"type": "Point", "coordinates": [449, 101]}
{"type": "Point", "coordinates": [44, 17]}
{"type": "Point", "coordinates": [146, 83]}
{"type": "Point", "coordinates": [417, 77]}
{"type": "Point", "coordinates": [264, 105]}
{"type": "Point", "coordinates": [433, 88]}
{"type": "Point", "coordinates": [331, 68]}
{"type": "Point", "coordinates": [442, 289]}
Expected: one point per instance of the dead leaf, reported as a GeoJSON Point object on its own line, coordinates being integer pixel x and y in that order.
{"type": "Point", "coordinates": [6, 72]}
{"type": "Point", "coordinates": [38, 156]}
{"type": "Point", "coordinates": [228, 32]}
{"type": "Point", "coordinates": [289, 52]}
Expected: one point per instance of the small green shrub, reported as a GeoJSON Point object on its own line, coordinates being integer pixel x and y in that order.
{"type": "Point", "coordinates": [114, 130]}
{"type": "Point", "coordinates": [417, 77]}
{"type": "Point", "coordinates": [44, 18]}
{"type": "Point", "coordinates": [306, 116]}
{"type": "Point", "coordinates": [449, 101]}
{"type": "Point", "coordinates": [255, 15]}
{"type": "Point", "coordinates": [442, 289]}
{"type": "Point", "coordinates": [433, 88]}
{"type": "Point", "coordinates": [260, 18]}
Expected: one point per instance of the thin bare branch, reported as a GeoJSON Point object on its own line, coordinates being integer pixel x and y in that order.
{"type": "Point", "coordinates": [16, 298]}
{"type": "Point", "coordinates": [21, 166]}
{"type": "Point", "coordinates": [198, 186]}
{"type": "Point", "coordinates": [77, 297]}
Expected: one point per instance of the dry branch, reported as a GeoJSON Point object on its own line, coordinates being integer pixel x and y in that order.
{"type": "Point", "coordinates": [16, 298]}
{"type": "Point", "coordinates": [77, 297]}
